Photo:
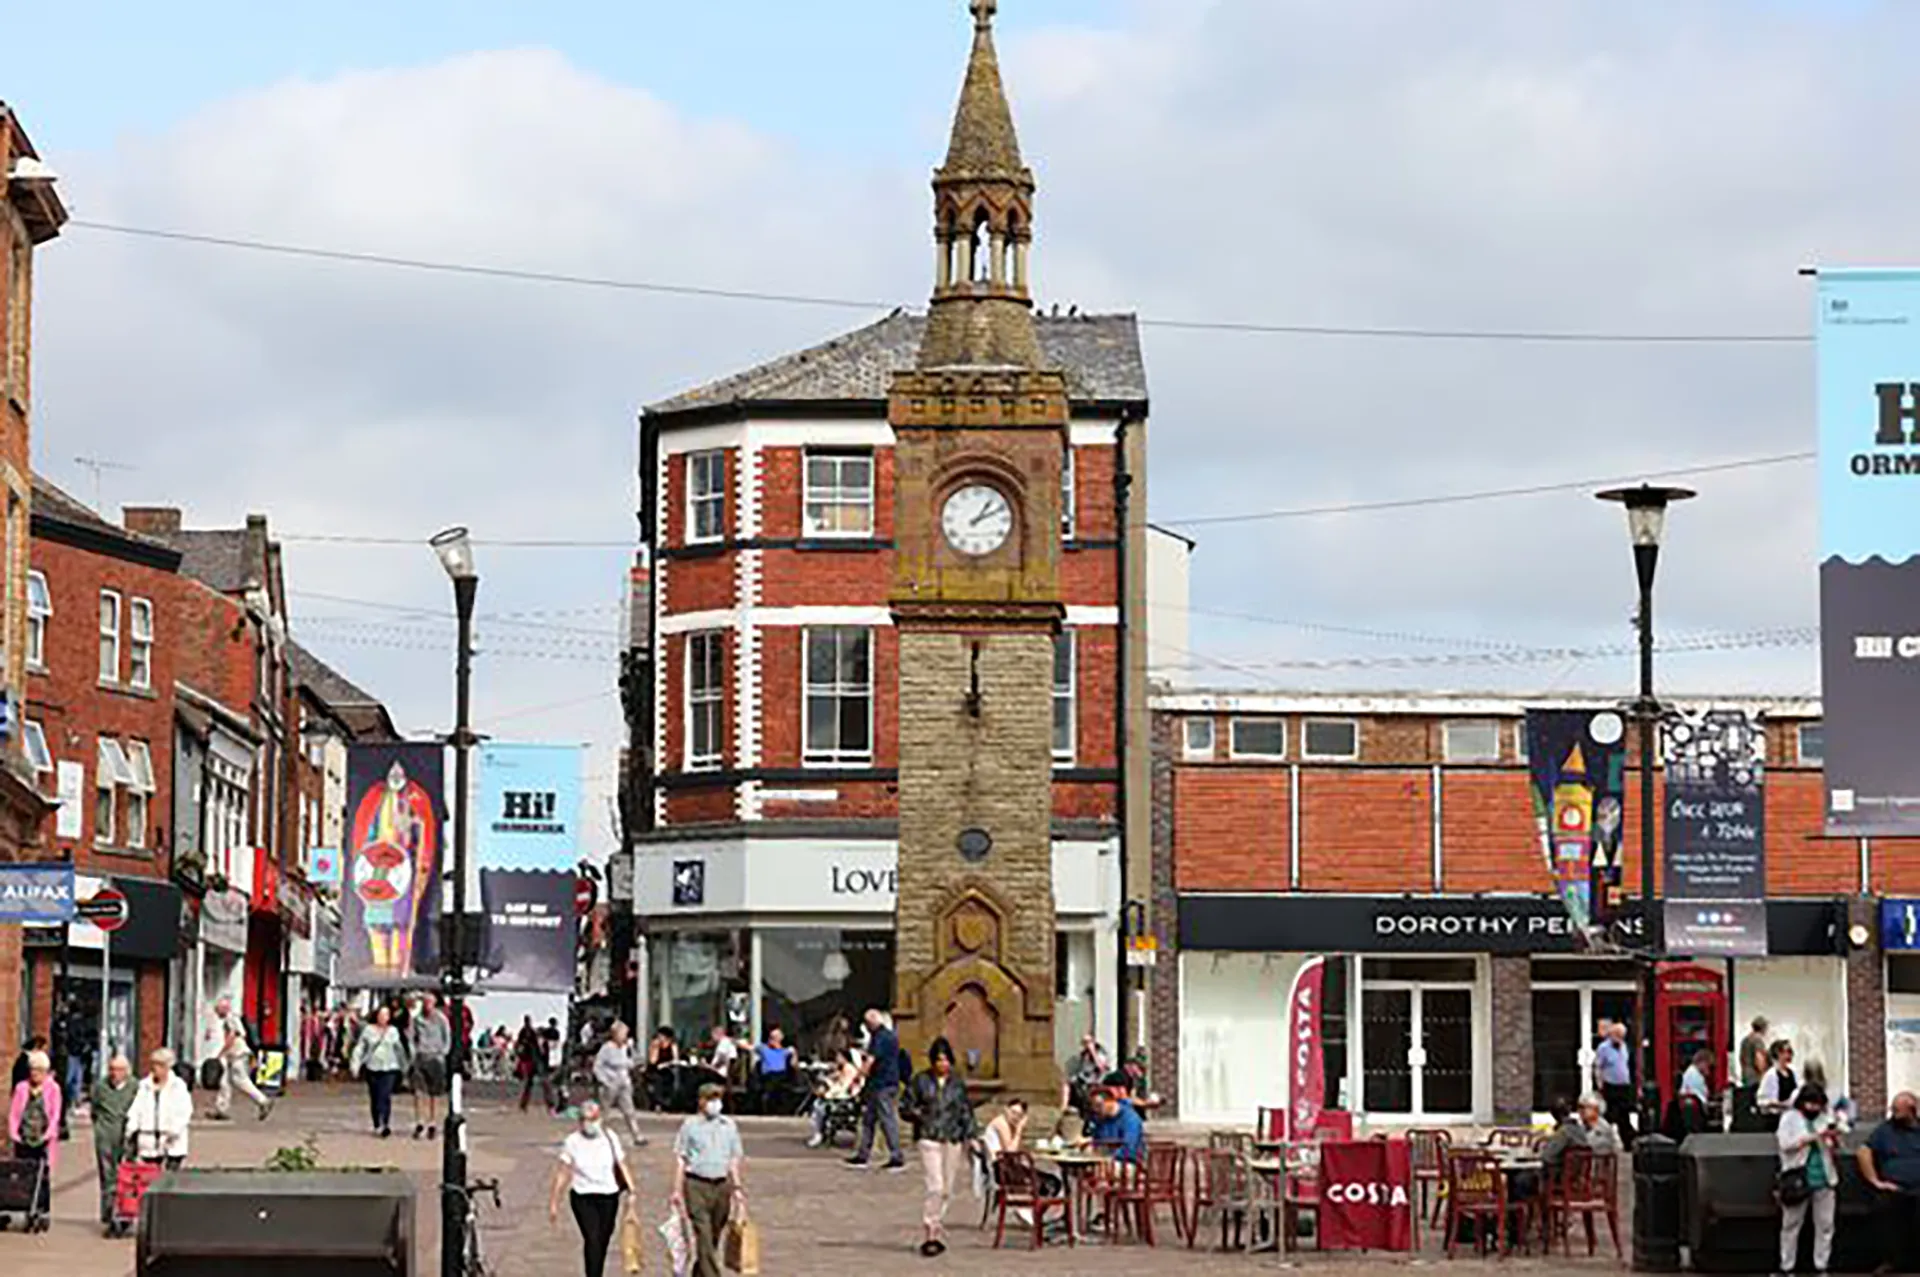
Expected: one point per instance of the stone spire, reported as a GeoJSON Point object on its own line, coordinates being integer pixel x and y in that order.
{"type": "Point", "coordinates": [982, 312]}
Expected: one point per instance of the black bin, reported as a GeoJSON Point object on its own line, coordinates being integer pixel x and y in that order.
{"type": "Point", "coordinates": [277, 1224]}
{"type": "Point", "coordinates": [1656, 1205]}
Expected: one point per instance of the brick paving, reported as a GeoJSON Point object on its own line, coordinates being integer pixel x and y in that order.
{"type": "Point", "coordinates": [816, 1216]}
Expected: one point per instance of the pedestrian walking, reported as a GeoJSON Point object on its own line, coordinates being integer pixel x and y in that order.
{"type": "Point", "coordinates": [1808, 1176]}
{"type": "Point", "coordinates": [613, 1074]}
{"type": "Point", "coordinates": [162, 1114]}
{"type": "Point", "coordinates": [880, 1096]}
{"type": "Point", "coordinates": [380, 1056]}
{"type": "Point", "coordinates": [33, 1122]}
{"type": "Point", "coordinates": [112, 1100]}
{"type": "Point", "coordinates": [592, 1175]}
{"type": "Point", "coordinates": [530, 1066]}
{"type": "Point", "coordinates": [429, 1040]}
{"type": "Point", "coordinates": [943, 1127]}
{"type": "Point", "coordinates": [235, 1054]}
{"type": "Point", "coordinates": [709, 1167]}
{"type": "Point", "coordinates": [1613, 1066]}
{"type": "Point", "coordinates": [1754, 1059]}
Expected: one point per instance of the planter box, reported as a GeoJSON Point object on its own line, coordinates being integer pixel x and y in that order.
{"type": "Point", "coordinates": [250, 1223]}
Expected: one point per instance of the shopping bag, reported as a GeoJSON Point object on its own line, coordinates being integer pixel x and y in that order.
{"type": "Point", "coordinates": [742, 1251]}
{"type": "Point", "coordinates": [633, 1244]}
{"type": "Point", "coordinates": [673, 1230]}
{"type": "Point", "coordinates": [131, 1182]}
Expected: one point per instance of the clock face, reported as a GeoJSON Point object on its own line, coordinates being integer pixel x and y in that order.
{"type": "Point", "coordinates": [976, 519]}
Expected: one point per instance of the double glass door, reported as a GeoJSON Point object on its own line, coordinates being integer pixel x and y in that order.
{"type": "Point", "coordinates": [1565, 1021]}
{"type": "Point", "coordinates": [1418, 1053]}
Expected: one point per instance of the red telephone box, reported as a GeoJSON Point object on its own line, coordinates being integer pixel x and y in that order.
{"type": "Point", "coordinates": [1690, 1015]}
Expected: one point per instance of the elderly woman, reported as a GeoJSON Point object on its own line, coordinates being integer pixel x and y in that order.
{"type": "Point", "coordinates": [161, 1114]}
{"type": "Point", "coordinates": [33, 1120]}
{"type": "Point", "coordinates": [112, 1101]}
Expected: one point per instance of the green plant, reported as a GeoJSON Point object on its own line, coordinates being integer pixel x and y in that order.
{"type": "Point", "coordinates": [304, 1156]}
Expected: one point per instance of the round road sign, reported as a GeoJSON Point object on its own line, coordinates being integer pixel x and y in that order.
{"type": "Point", "coordinates": [106, 909]}
{"type": "Point", "coordinates": [583, 896]}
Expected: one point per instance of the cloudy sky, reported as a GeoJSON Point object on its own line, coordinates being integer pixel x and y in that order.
{"type": "Point", "coordinates": [1631, 167]}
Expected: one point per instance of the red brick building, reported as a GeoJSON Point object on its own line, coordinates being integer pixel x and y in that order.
{"type": "Point", "coordinates": [30, 215]}
{"type": "Point", "coordinates": [101, 649]}
{"type": "Point", "coordinates": [1395, 834]}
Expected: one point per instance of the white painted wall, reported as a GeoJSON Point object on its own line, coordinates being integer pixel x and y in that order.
{"type": "Point", "coordinates": [1233, 1034]}
{"type": "Point", "coordinates": [1169, 592]}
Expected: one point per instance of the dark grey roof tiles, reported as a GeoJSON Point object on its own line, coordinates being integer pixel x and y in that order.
{"type": "Point", "coordinates": [217, 558]}
{"type": "Point", "coordinates": [1099, 353]}
{"type": "Point", "coordinates": [55, 503]}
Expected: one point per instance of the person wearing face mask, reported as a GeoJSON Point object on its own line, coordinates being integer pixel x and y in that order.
{"type": "Point", "coordinates": [592, 1174]}
{"type": "Point", "coordinates": [1890, 1163]}
{"type": "Point", "coordinates": [1808, 1176]}
{"type": "Point", "coordinates": [708, 1174]}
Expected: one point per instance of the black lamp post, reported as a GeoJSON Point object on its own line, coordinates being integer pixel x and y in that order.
{"type": "Point", "coordinates": [1646, 508]}
{"type": "Point", "coordinates": [456, 556]}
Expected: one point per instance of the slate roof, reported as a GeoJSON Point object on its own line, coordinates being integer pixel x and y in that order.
{"type": "Point", "coordinates": [1099, 353]}
{"type": "Point", "coordinates": [53, 502]}
{"type": "Point", "coordinates": [359, 709]}
{"type": "Point", "coordinates": [216, 558]}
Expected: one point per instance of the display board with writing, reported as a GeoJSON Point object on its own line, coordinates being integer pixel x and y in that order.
{"type": "Point", "coordinates": [1715, 806]}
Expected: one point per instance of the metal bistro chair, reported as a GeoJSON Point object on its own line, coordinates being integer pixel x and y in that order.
{"type": "Point", "coordinates": [1166, 1168]}
{"type": "Point", "coordinates": [1429, 1147]}
{"type": "Point", "coordinates": [1477, 1191]}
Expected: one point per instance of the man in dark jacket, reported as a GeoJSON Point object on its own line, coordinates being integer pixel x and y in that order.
{"type": "Point", "coordinates": [112, 1098]}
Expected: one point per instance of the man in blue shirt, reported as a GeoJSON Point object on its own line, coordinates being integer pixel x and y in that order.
{"type": "Point", "coordinates": [1117, 1123]}
{"type": "Point", "coordinates": [1613, 1065]}
{"type": "Point", "coordinates": [880, 1098]}
{"type": "Point", "coordinates": [1890, 1163]}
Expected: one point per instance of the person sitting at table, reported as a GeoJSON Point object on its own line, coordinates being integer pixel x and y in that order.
{"type": "Point", "coordinates": [776, 1065]}
{"type": "Point", "coordinates": [725, 1053]}
{"type": "Point", "coordinates": [663, 1053]}
{"type": "Point", "coordinates": [1524, 1185]}
{"type": "Point", "coordinates": [1088, 1070]}
{"type": "Point", "coordinates": [1117, 1125]}
{"type": "Point", "coordinates": [839, 1089]}
{"type": "Point", "coordinates": [1588, 1130]}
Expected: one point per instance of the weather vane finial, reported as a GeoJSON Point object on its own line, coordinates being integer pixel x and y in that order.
{"type": "Point", "coordinates": [983, 11]}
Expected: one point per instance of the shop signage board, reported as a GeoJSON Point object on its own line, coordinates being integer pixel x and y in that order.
{"type": "Point", "coordinates": [1867, 351]}
{"type": "Point", "coordinates": [528, 851]}
{"type": "Point", "coordinates": [1366, 1195]}
{"type": "Point", "coordinates": [106, 909]}
{"type": "Point", "coordinates": [1714, 820]}
{"type": "Point", "coordinates": [1716, 928]}
{"type": "Point", "coordinates": [390, 904]}
{"type": "Point", "coordinates": [223, 921]}
{"type": "Point", "coordinates": [1900, 925]}
{"type": "Point", "coordinates": [1575, 761]}
{"type": "Point", "coordinates": [36, 894]}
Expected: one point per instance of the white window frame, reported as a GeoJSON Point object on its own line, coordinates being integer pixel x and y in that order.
{"type": "Point", "coordinates": [39, 613]}
{"type": "Point", "coordinates": [1233, 738]}
{"type": "Point", "coordinates": [1067, 480]}
{"type": "Point", "coordinates": [1189, 746]}
{"type": "Point", "coordinates": [1450, 754]}
{"type": "Point", "coordinates": [1306, 731]}
{"type": "Point", "coordinates": [140, 644]}
{"type": "Point", "coordinates": [33, 740]}
{"type": "Point", "coordinates": [702, 498]}
{"type": "Point", "coordinates": [1520, 740]}
{"type": "Point", "coordinates": [110, 635]}
{"type": "Point", "coordinates": [834, 755]}
{"type": "Point", "coordinates": [1800, 744]}
{"type": "Point", "coordinates": [105, 800]}
{"type": "Point", "coordinates": [706, 700]}
{"type": "Point", "coordinates": [1067, 694]}
{"type": "Point", "coordinates": [837, 496]}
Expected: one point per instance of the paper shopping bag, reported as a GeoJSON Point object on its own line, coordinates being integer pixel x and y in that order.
{"type": "Point", "coordinates": [743, 1246]}
{"type": "Point", "coordinates": [633, 1244]}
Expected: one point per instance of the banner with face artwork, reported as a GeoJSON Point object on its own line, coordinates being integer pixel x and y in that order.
{"type": "Point", "coordinates": [528, 826]}
{"type": "Point", "coordinates": [1576, 761]}
{"type": "Point", "coordinates": [390, 903]}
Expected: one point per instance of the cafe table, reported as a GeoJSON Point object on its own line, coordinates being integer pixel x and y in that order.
{"type": "Point", "coordinates": [1076, 1167]}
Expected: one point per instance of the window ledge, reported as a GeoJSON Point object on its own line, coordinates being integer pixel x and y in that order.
{"type": "Point", "coordinates": [129, 690]}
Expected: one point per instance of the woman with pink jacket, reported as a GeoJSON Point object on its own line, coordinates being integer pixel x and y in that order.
{"type": "Point", "coordinates": [33, 1122]}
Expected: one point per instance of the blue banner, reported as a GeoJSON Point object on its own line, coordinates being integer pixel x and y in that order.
{"type": "Point", "coordinates": [39, 894]}
{"type": "Point", "coordinates": [1868, 353]}
{"type": "Point", "coordinates": [527, 823]}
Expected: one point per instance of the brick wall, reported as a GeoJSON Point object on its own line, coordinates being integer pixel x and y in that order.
{"type": "Point", "coordinates": [1866, 1012]}
{"type": "Point", "coordinates": [822, 576]}
{"type": "Point", "coordinates": [1163, 989]}
{"type": "Point", "coordinates": [1230, 827]}
{"type": "Point", "coordinates": [1366, 830]}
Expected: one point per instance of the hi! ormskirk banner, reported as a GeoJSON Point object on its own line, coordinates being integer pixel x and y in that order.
{"type": "Point", "coordinates": [528, 827]}
{"type": "Point", "coordinates": [1867, 344]}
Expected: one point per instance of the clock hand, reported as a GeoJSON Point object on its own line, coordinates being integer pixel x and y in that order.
{"type": "Point", "coordinates": [984, 512]}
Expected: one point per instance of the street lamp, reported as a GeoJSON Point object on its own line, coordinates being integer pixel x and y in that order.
{"type": "Point", "coordinates": [455, 551]}
{"type": "Point", "coordinates": [1646, 508]}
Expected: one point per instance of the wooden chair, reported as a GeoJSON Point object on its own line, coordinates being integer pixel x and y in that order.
{"type": "Point", "coordinates": [1429, 1147]}
{"type": "Point", "coordinates": [1166, 1168]}
{"type": "Point", "coordinates": [1299, 1196]}
{"type": "Point", "coordinates": [1020, 1189]}
{"type": "Point", "coordinates": [1266, 1203]}
{"type": "Point", "coordinates": [1586, 1184]}
{"type": "Point", "coordinates": [1477, 1191]}
{"type": "Point", "coordinates": [1269, 1125]}
{"type": "Point", "coordinates": [1124, 1200]}
{"type": "Point", "coordinates": [1228, 1194]}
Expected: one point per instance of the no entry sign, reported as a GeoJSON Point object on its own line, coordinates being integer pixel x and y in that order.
{"type": "Point", "coordinates": [106, 909]}
{"type": "Point", "coordinates": [583, 896]}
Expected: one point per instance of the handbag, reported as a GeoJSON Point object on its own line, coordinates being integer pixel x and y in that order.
{"type": "Point", "coordinates": [743, 1242]}
{"type": "Point", "coordinates": [1791, 1187]}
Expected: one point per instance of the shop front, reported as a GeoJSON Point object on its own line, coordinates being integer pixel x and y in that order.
{"type": "Point", "coordinates": [117, 983]}
{"type": "Point", "coordinates": [1442, 1010]}
{"type": "Point", "coordinates": [798, 934]}
{"type": "Point", "coordinates": [221, 959]}
{"type": "Point", "coordinates": [1900, 941]}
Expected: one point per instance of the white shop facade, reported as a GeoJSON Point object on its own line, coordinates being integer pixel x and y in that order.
{"type": "Point", "coordinates": [798, 932]}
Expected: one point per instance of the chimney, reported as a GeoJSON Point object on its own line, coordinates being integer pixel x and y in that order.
{"type": "Point", "coordinates": [160, 521]}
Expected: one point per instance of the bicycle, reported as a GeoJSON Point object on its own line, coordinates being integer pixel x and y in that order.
{"type": "Point", "coordinates": [474, 1262]}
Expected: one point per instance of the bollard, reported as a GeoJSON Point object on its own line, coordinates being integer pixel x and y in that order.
{"type": "Point", "coordinates": [1656, 1205]}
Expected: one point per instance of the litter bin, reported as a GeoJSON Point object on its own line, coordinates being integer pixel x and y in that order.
{"type": "Point", "coordinates": [1656, 1205]}
{"type": "Point", "coordinates": [219, 1223]}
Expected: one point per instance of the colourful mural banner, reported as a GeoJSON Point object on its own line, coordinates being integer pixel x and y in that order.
{"type": "Point", "coordinates": [390, 907]}
{"type": "Point", "coordinates": [528, 826]}
{"type": "Point", "coordinates": [1867, 348]}
{"type": "Point", "coordinates": [1575, 763]}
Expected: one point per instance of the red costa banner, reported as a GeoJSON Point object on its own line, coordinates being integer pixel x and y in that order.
{"type": "Point", "coordinates": [1306, 1049]}
{"type": "Point", "coordinates": [1366, 1197]}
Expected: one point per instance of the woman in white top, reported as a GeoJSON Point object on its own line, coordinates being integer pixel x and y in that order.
{"type": "Point", "coordinates": [592, 1173]}
{"type": "Point", "coordinates": [1807, 1137]}
{"type": "Point", "coordinates": [161, 1113]}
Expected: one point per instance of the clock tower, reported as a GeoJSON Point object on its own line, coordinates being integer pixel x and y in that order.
{"type": "Point", "coordinates": [980, 427]}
